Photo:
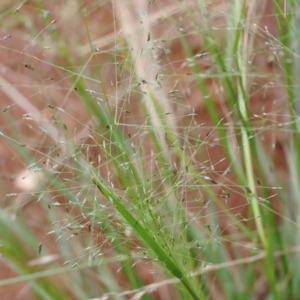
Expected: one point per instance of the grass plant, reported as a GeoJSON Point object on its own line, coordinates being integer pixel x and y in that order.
{"type": "Point", "coordinates": [150, 150]}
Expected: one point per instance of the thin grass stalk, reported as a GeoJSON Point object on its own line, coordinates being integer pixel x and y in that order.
{"type": "Point", "coordinates": [285, 12]}
{"type": "Point", "coordinates": [242, 60]}
{"type": "Point", "coordinates": [243, 48]}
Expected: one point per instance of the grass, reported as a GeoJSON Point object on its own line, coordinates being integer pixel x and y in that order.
{"type": "Point", "coordinates": [150, 151]}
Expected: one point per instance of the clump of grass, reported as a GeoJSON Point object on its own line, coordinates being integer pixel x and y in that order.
{"type": "Point", "coordinates": [147, 150]}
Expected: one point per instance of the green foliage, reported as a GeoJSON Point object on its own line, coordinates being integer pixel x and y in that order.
{"type": "Point", "coordinates": [163, 162]}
